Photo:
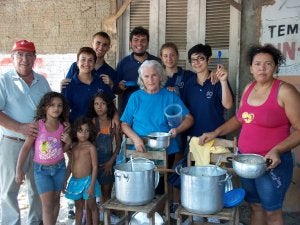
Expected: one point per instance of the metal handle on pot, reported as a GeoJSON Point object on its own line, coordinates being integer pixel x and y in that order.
{"type": "Point", "coordinates": [117, 175]}
{"type": "Point", "coordinates": [229, 159]}
{"type": "Point", "coordinates": [228, 176]}
{"type": "Point", "coordinates": [268, 162]}
{"type": "Point", "coordinates": [126, 176]}
{"type": "Point", "coordinates": [178, 169]}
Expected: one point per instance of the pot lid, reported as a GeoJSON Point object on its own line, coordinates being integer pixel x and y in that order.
{"type": "Point", "coordinates": [140, 218]}
{"type": "Point", "coordinates": [234, 197]}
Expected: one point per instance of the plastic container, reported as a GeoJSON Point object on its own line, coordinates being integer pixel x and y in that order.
{"type": "Point", "coordinates": [130, 83]}
{"type": "Point", "coordinates": [173, 114]}
{"type": "Point", "coordinates": [234, 197]}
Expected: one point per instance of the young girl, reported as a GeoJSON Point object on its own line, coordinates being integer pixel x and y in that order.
{"type": "Point", "coordinates": [177, 76]}
{"type": "Point", "coordinates": [102, 110]}
{"type": "Point", "coordinates": [83, 186]}
{"type": "Point", "coordinates": [49, 147]}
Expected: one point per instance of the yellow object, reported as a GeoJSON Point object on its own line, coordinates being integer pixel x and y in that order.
{"type": "Point", "coordinates": [202, 153]}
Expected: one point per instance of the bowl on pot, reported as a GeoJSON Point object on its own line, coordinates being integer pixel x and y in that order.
{"type": "Point", "coordinates": [249, 165]}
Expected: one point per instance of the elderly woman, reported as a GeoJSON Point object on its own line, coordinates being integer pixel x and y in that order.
{"type": "Point", "coordinates": [144, 112]}
{"type": "Point", "coordinates": [269, 108]}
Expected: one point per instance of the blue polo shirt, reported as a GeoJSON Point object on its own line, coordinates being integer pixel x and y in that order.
{"type": "Point", "coordinates": [145, 113]}
{"type": "Point", "coordinates": [104, 69]}
{"type": "Point", "coordinates": [205, 105]}
{"type": "Point", "coordinates": [127, 69]}
{"type": "Point", "coordinates": [179, 83]}
{"type": "Point", "coordinates": [79, 95]}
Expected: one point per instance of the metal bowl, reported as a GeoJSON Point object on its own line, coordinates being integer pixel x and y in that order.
{"type": "Point", "coordinates": [158, 140]}
{"type": "Point", "coordinates": [249, 165]}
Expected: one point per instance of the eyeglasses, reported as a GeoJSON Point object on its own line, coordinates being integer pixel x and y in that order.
{"type": "Point", "coordinates": [198, 59]}
{"type": "Point", "coordinates": [21, 55]}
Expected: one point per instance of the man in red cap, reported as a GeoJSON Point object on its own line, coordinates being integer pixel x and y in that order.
{"type": "Point", "coordinates": [20, 92]}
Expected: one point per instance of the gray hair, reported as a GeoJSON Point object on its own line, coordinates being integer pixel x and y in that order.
{"type": "Point", "coordinates": [159, 69]}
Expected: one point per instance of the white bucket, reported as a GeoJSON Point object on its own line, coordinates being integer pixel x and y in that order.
{"type": "Point", "coordinates": [173, 114]}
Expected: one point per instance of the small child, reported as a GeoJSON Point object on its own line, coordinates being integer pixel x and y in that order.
{"type": "Point", "coordinates": [83, 185]}
{"type": "Point", "coordinates": [49, 147]}
{"type": "Point", "coordinates": [102, 110]}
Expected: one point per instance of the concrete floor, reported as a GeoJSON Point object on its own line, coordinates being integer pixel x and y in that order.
{"type": "Point", "coordinates": [290, 218]}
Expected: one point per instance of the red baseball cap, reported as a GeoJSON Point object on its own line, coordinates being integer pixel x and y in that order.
{"type": "Point", "coordinates": [23, 45]}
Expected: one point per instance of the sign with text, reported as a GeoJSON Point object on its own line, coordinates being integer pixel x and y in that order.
{"type": "Point", "coordinates": [281, 27]}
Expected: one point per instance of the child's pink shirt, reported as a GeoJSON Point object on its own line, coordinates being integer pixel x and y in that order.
{"type": "Point", "coordinates": [48, 146]}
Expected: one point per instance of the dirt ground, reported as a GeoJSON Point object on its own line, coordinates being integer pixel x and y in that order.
{"type": "Point", "coordinates": [290, 218]}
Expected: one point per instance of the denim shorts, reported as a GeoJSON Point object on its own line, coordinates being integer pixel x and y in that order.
{"type": "Point", "coordinates": [50, 178]}
{"type": "Point", "coordinates": [269, 189]}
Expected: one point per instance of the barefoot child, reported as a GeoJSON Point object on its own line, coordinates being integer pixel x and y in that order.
{"type": "Point", "coordinates": [49, 146]}
{"type": "Point", "coordinates": [102, 110]}
{"type": "Point", "coordinates": [83, 186]}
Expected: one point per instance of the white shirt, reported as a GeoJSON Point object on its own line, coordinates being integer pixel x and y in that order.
{"type": "Point", "coordinates": [18, 100]}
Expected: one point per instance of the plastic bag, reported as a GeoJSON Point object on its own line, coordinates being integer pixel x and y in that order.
{"type": "Point", "coordinates": [121, 158]}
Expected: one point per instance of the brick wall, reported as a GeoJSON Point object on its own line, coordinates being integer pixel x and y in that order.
{"type": "Point", "coordinates": [58, 29]}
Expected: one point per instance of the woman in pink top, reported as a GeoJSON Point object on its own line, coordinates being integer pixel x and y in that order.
{"type": "Point", "coordinates": [268, 109]}
{"type": "Point", "coordinates": [49, 162]}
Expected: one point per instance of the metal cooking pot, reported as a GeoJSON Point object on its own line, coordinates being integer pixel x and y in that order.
{"type": "Point", "coordinates": [135, 183]}
{"type": "Point", "coordinates": [202, 188]}
{"type": "Point", "coordinates": [158, 140]}
{"type": "Point", "coordinates": [249, 165]}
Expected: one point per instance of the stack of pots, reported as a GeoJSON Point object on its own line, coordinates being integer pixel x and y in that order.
{"type": "Point", "coordinates": [202, 188]}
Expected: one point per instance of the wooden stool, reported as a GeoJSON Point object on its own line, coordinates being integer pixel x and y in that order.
{"type": "Point", "coordinates": [229, 214]}
{"type": "Point", "coordinates": [159, 200]}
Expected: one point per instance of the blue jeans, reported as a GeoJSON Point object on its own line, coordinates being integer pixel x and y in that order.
{"type": "Point", "coordinates": [269, 189]}
{"type": "Point", "coordinates": [50, 178]}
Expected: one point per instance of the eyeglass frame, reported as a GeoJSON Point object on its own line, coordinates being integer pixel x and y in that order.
{"type": "Point", "coordinates": [20, 55]}
{"type": "Point", "coordinates": [198, 59]}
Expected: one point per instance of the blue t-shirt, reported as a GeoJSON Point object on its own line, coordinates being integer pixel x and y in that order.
{"type": "Point", "coordinates": [104, 69]}
{"type": "Point", "coordinates": [145, 113]}
{"type": "Point", "coordinates": [127, 69]}
{"type": "Point", "coordinates": [205, 105]}
{"type": "Point", "coordinates": [79, 95]}
{"type": "Point", "coordinates": [179, 79]}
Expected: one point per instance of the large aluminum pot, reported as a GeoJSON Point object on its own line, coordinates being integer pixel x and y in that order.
{"type": "Point", "coordinates": [158, 140]}
{"type": "Point", "coordinates": [249, 165]}
{"type": "Point", "coordinates": [135, 183]}
{"type": "Point", "coordinates": [202, 188]}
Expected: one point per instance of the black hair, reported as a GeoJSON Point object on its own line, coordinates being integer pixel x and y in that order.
{"type": "Point", "coordinates": [200, 48]}
{"type": "Point", "coordinates": [276, 54]}
{"type": "Point", "coordinates": [102, 34]}
{"type": "Point", "coordinates": [87, 50]}
{"type": "Point", "coordinates": [46, 101]}
{"type": "Point", "coordinates": [77, 125]}
{"type": "Point", "coordinates": [111, 109]}
{"type": "Point", "coordinates": [139, 31]}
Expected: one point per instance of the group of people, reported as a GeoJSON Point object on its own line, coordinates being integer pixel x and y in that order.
{"type": "Point", "coordinates": [84, 122]}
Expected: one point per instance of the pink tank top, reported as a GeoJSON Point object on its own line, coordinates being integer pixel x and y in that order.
{"type": "Point", "coordinates": [48, 146]}
{"type": "Point", "coordinates": [263, 126]}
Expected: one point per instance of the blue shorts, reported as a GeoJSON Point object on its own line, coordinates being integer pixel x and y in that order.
{"type": "Point", "coordinates": [77, 188]}
{"type": "Point", "coordinates": [269, 189]}
{"type": "Point", "coordinates": [50, 178]}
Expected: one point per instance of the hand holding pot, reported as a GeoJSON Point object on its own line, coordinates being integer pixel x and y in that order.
{"type": "Point", "coordinates": [273, 159]}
